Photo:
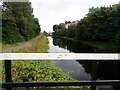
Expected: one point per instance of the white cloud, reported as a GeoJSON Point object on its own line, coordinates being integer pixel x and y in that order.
{"type": "Point", "coordinates": [50, 12]}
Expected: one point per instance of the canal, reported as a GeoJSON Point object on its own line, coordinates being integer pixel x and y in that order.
{"type": "Point", "coordinates": [79, 70]}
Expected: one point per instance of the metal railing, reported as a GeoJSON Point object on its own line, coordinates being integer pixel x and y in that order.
{"type": "Point", "coordinates": [93, 83]}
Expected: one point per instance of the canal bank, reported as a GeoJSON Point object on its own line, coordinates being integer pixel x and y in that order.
{"type": "Point", "coordinates": [98, 46]}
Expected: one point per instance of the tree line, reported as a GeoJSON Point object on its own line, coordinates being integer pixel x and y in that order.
{"type": "Point", "coordinates": [100, 24]}
{"type": "Point", "coordinates": [18, 22]}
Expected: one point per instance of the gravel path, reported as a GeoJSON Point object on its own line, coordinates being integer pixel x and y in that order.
{"type": "Point", "coordinates": [12, 49]}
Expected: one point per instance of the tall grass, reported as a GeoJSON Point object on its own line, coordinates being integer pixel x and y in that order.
{"type": "Point", "coordinates": [40, 46]}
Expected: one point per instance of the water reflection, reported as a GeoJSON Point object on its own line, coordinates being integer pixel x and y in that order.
{"type": "Point", "coordinates": [75, 68]}
{"type": "Point", "coordinates": [81, 70]}
{"type": "Point", "coordinates": [55, 48]}
{"type": "Point", "coordinates": [107, 70]}
{"type": "Point", "coordinates": [73, 46]}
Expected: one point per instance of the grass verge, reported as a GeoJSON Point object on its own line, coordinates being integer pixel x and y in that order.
{"type": "Point", "coordinates": [103, 46]}
{"type": "Point", "coordinates": [6, 46]}
{"type": "Point", "coordinates": [39, 46]}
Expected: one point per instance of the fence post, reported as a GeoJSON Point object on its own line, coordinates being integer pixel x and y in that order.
{"type": "Point", "coordinates": [8, 77]}
{"type": "Point", "coordinates": [94, 74]}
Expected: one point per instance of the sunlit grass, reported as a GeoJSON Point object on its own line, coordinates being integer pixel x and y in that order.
{"type": "Point", "coordinates": [36, 46]}
{"type": "Point", "coordinates": [39, 46]}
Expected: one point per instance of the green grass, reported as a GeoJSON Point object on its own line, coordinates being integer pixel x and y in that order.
{"type": "Point", "coordinates": [40, 46]}
{"type": "Point", "coordinates": [4, 45]}
{"type": "Point", "coordinates": [105, 46]}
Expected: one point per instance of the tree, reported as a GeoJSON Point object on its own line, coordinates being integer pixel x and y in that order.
{"type": "Point", "coordinates": [55, 27]}
{"type": "Point", "coordinates": [21, 14]}
{"type": "Point", "coordinates": [100, 24]}
{"type": "Point", "coordinates": [44, 32]}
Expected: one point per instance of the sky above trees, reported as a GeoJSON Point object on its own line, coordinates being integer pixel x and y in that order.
{"type": "Point", "coordinates": [50, 12]}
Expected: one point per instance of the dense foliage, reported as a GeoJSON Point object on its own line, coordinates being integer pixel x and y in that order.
{"type": "Point", "coordinates": [38, 71]}
{"type": "Point", "coordinates": [18, 22]}
{"type": "Point", "coordinates": [100, 24]}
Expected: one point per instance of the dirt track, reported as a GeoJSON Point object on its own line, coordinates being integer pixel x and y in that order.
{"type": "Point", "coordinates": [12, 49]}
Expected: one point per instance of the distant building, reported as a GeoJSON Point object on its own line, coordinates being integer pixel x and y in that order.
{"type": "Point", "coordinates": [74, 22]}
{"type": "Point", "coordinates": [67, 25]}
{"type": "Point", "coordinates": [119, 2]}
{"type": "Point", "coordinates": [71, 23]}
{"type": "Point", "coordinates": [116, 5]}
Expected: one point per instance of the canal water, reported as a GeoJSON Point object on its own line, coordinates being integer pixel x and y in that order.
{"type": "Point", "coordinates": [79, 70]}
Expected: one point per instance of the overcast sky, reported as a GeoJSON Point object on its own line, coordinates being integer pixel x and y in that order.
{"type": "Point", "coordinates": [50, 12]}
